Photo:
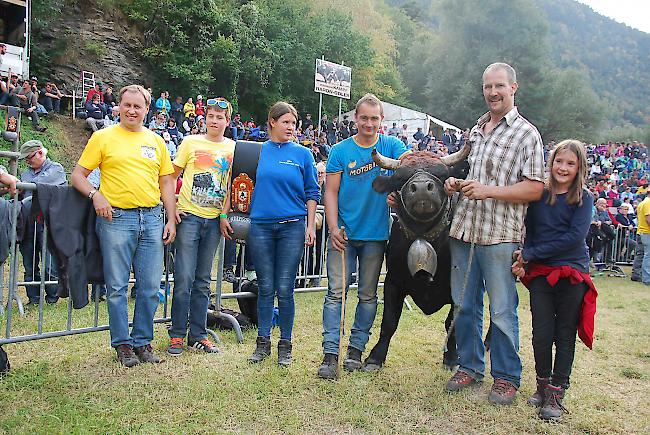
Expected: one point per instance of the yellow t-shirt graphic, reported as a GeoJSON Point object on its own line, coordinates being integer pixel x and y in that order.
{"type": "Point", "coordinates": [207, 167]}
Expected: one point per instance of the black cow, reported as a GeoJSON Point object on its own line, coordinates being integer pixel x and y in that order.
{"type": "Point", "coordinates": [418, 259]}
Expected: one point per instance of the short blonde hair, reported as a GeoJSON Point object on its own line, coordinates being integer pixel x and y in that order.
{"type": "Point", "coordinates": [370, 99]}
{"type": "Point", "coordinates": [136, 89]}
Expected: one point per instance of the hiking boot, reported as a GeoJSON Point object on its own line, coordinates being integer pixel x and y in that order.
{"type": "Point", "coordinates": [552, 408]}
{"type": "Point", "coordinates": [204, 345]}
{"type": "Point", "coordinates": [125, 355]}
{"type": "Point", "coordinates": [40, 129]}
{"type": "Point", "coordinates": [145, 354]}
{"type": "Point", "coordinates": [460, 380]}
{"type": "Point", "coordinates": [262, 350]}
{"type": "Point", "coordinates": [635, 278]}
{"type": "Point", "coordinates": [537, 399]}
{"type": "Point", "coordinates": [327, 369]}
{"type": "Point", "coordinates": [352, 361]}
{"type": "Point", "coordinates": [284, 353]}
{"type": "Point", "coordinates": [502, 393]}
{"type": "Point", "coordinates": [175, 346]}
{"type": "Point", "coordinates": [229, 276]}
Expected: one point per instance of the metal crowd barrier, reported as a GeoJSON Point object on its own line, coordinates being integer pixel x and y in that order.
{"type": "Point", "coordinates": [620, 251]}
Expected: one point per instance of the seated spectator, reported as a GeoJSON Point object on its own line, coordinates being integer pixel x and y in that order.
{"type": "Point", "coordinates": [158, 124]}
{"type": "Point", "coordinates": [96, 90]}
{"type": "Point", "coordinates": [189, 108]}
{"type": "Point", "coordinates": [109, 99]}
{"type": "Point", "coordinates": [24, 98]}
{"type": "Point", "coordinates": [172, 129]}
{"type": "Point", "coordinates": [162, 104]}
{"type": "Point", "coordinates": [200, 124]}
{"type": "Point", "coordinates": [96, 113]}
{"type": "Point", "coordinates": [237, 127]}
{"type": "Point", "coordinates": [394, 130]}
{"type": "Point", "coordinates": [50, 98]}
{"type": "Point", "coordinates": [200, 106]}
{"type": "Point", "coordinates": [188, 123]}
{"type": "Point", "coordinates": [169, 143]}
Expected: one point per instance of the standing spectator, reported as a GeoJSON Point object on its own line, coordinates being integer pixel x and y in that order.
{"type": "Point", "coordinates": [189, 108]}
{"type": "Point", "coordinates": [490, 215]}
{"type": "Point", "coordinates": [188, 124]}
{"type": "Point", "coordinates": [24, 98]}
{"type": "Point", "coordinates": [394, 130]}
{"type": "Point", "coordinates": [200, 106]}
{"type": "Point", "coordinates": [177, 110]}
{"type": "Point", "coordinates": [50, 98]}
{"type": "Point", "coordinates": [41, 170]}
{"type": "Point", "coordinates": [96, 90]}
{"type": "Point", "coordinates": [151, 113]}
{"type": "Point", "coordinates": [162, 104]}
{"type": "Point", "coordinates": [200, 207]}
{"type": "Point", "coordinates": [282, 223]}
{"type": "Point", "coordinates": [331, 131]}
{"type": "Point", "coordinates": [307, 122]}
{"type": "Point", "coordinates": [351, 201]}
{"type": "Point", "coordinates": [96, 113]}
{"type": "Point", "coordinates": [136, 174]}
{"type": "Point", "coordinates": [404, 132]}
{"type": "Point", "coordinates": [447, 140]}
{"type": "Point", "coordinates": [418, 135]}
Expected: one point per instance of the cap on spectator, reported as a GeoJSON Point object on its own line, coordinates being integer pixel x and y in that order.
{"type": "Point", "coordinates": [34, 78]}
{"type": "Point", "coordinates": [200, 117]}
{"type": "Point", "coordinates": [29, 147]}
{"type": "Point", "coordinates": [628, 206]}
{"type": "Point", "coordinates": [199, 97]}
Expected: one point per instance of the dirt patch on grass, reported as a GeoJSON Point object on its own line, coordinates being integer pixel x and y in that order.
{"type": "Point", "coordinates": [77, 136]}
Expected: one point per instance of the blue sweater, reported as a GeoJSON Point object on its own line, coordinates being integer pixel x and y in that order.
{"type": "Point", "coordinates": [286, 180]}
{"type": "Point", "coordinates": [555, 234]}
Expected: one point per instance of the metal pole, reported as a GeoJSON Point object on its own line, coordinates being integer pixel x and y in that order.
{"type": "Point", "coordinates": [320, 109]}
{"type": "Point", "coordinates": [340, 101]}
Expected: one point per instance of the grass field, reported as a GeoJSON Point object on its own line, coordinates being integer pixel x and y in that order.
{"type": "Point", "coordinates": [74, 384]}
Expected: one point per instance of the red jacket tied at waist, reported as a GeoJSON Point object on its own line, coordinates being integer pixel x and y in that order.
{"type": "Point", "coordinates": [588, 311]}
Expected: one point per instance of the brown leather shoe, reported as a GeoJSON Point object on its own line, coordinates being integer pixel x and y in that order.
{"type": "Point", "coordinates": [502, 393]}
{"type": "Point", "coordinates": [460, 380]}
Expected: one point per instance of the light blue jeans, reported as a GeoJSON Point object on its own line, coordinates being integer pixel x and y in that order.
{"type": "Point", "coordinates": [371, 257]}
{"type": "Point", "coordinates": [134, 236]}
{"type": "Point", "coordinates": [645, 264]}
{"type": "Point", "coordinates": [196, 243]}
{"type": "Point", "coordinates": [490, 272]}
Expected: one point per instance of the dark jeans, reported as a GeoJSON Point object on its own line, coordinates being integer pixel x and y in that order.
{"type": "Point", "coordinates": [638, 259]}
{"type": "Point", "coordinates": [30, 249]}
{"type": "Point", "coordinates": [556, 313]}
{"type": "Point", "coordinates": [51, 104]}
{"type": "Point", "coordinates": [277, 249]}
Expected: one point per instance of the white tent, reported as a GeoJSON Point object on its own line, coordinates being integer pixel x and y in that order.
{"type": "Point", "coordinates": [412, 118]}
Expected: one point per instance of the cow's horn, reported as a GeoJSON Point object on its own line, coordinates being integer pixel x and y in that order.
{"type": "Point", "coordinates": [385, 162]}
{"type": "Point", "coordinates": [456, 157]}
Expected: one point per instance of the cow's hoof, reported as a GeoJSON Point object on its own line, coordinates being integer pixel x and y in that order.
{"type": "Point", "coordinates": [370, 367]}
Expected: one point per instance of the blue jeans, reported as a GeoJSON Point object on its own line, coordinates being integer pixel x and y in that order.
{"type": "Point", "coordinates": [196, 243]}
{"type": "Point", "coordinates": [134, 236]}
{"type": "Point", "coordinates": [237, 133]}
{"type": "Point", "coordinates": [490, 271]}
{"type": "Point", "coordinates": [277, 249]}
{"type": "Point", "coordinates": [371, 257]}
{"type": "Point", "coordinates": [645, 264]}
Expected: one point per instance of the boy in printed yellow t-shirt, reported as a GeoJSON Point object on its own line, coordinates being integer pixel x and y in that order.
{"type": "Point", "coordinates": [205, 161]}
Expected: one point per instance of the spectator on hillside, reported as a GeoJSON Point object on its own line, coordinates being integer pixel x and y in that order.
{"type": "Point", "coordinates": [169, 143]}
{"type": "Point", "coordinates": [96, 113]}
{"type": "Point", "coordinates": [189, 108]}
{"type": "Point", "coordinates": [331, 131]}
{"type": "Point", "coordinates": [418, 135]}
{"type": "Point", "coordinates": [162, 103]}
{"type": "Point", "coordinates": [188, 123]}
{"type": "Point", "coordinates": [200, 106]}
{"type": "Point", "coordinates": [50, 98]}
{"type": "Point", "coordinates": [158, 124]}
{"type": "Point", "coordinates": [177, 110]}
{"type": "Point", "coordinates": [404, 132]}
{"type": "Point", "coordinates": [96, 90]}
{"type": "Point", "coordinates": [200, 124]}
{"type": "Point", "coordinates": [24, 98]}
{"type": "Point", "coordinates": [447, 140]}
{"type": "Point", "coordinates": [307, 122]}
{"type": "Point", "coordinates": [6, 89]}
{"type": "Point", "coordinates": [172, 129]}
{"type": "Point", "coordinates": [344, 132]}
{"type": "Point", "coordinates": [109, 99]}
{"type": "Point", "coordinates": [236, 127]}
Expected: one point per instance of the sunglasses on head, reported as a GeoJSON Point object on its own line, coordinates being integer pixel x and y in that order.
{"type": "Point", "coordinates": [221, 103]}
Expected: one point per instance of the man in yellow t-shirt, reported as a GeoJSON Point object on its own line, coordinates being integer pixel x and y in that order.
{"type": "Point", "coordinates": [136, 173]}
{"type": "Point", "coordinates": [205, 161]}
{"type": "Point", "coordinates": [643, 231]}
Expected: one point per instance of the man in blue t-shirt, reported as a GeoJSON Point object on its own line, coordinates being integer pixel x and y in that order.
{"type": "Point", "coordinates": [351, 202]}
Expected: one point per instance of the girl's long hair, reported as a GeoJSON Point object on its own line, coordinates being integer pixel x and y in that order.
{"type": "Point", "coordinates": [574, 195]}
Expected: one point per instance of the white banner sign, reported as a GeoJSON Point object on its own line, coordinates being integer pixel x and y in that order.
{"type": "Point", "coordinates": [332, 79]}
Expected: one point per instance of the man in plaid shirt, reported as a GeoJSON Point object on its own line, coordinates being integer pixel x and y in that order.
{"type": "Point", "coordinates": [506, 173]}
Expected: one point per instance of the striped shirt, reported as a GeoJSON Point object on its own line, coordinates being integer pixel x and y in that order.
{"type": "Point", "coordinates": [511, 152]}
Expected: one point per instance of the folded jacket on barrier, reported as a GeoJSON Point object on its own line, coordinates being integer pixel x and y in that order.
{"type": "Point", "coordinates": [71, 238]}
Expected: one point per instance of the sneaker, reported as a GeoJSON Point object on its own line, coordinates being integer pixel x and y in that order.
{"type": "Point", "coordinates": [502, 392]}
{"type": "Point", "coordinates": [229, 276]}
{"type": "Point", "coordinates": [327, 369]}
{"type": "Point", "coordinates": [40, 129]}
{"type": "Point", "coordinates": [175, 346]}
{"type": "Point", "coordinates": [145, 354]}
{"type": "Point", "coordinates": [125, 355]}
{"type": "Point", "coordinates": [460, 380]}
{"type": "Point", "coordinates": [204, 345]}
{"type": "Point", "coordinates": [635, 278]}
{"type": "Point", "coordinates": [353, 360]}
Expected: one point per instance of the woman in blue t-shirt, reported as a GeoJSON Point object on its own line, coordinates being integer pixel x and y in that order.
{"type": "Point", "coordinates": [282, 223]}
{"type": "Point", "coordinates": [554, 265]}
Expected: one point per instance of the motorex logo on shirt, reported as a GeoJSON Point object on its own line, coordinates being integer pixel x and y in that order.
{"type": "Point", "coordinates": [289, 162]}
{"type": "Point", "coordinates": [362, 170]}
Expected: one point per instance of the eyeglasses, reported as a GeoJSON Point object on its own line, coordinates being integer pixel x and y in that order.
{"type": "Point", "coordinates": [223, 104]}
{"type": "Point", "coordinates": [31, 156]}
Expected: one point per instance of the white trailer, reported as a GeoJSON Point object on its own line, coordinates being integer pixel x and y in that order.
{"type": "Point", "coordinates": [15, 19]}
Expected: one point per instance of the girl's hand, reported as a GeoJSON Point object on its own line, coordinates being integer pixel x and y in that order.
{"type": "Point", "coordinates": [310, 236]}
{"type": "Point", "coordinates": [518, 269]}
{"type": "Point", "coordinates": [226, 229]}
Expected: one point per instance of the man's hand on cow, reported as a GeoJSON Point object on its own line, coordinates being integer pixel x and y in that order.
{"type": "Point", "coordinates": [391, 200]}
{"type": "Point", "coordinates": [226, 229]}
{"type": "Point", "coordinates": [102, 206]}
{"type": "Point", "coordinates": [338, 240]}
{"type": "Point", "coordinates": [475, 190]}
{"type": "Point", "coordinates": [452, 185]}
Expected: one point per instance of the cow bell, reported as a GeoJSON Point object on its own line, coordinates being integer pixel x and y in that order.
{"type": "Point", "coordinates": [240, 224]}
{"type": "Point", "coordinates": [422, 256]}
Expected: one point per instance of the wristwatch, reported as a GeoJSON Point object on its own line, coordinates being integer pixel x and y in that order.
{"type": "Point", "coordinates": [92, 193]}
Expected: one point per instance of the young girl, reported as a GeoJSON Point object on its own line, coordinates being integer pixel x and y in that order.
{"type": "Point", "coordinates": [554, 264]}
